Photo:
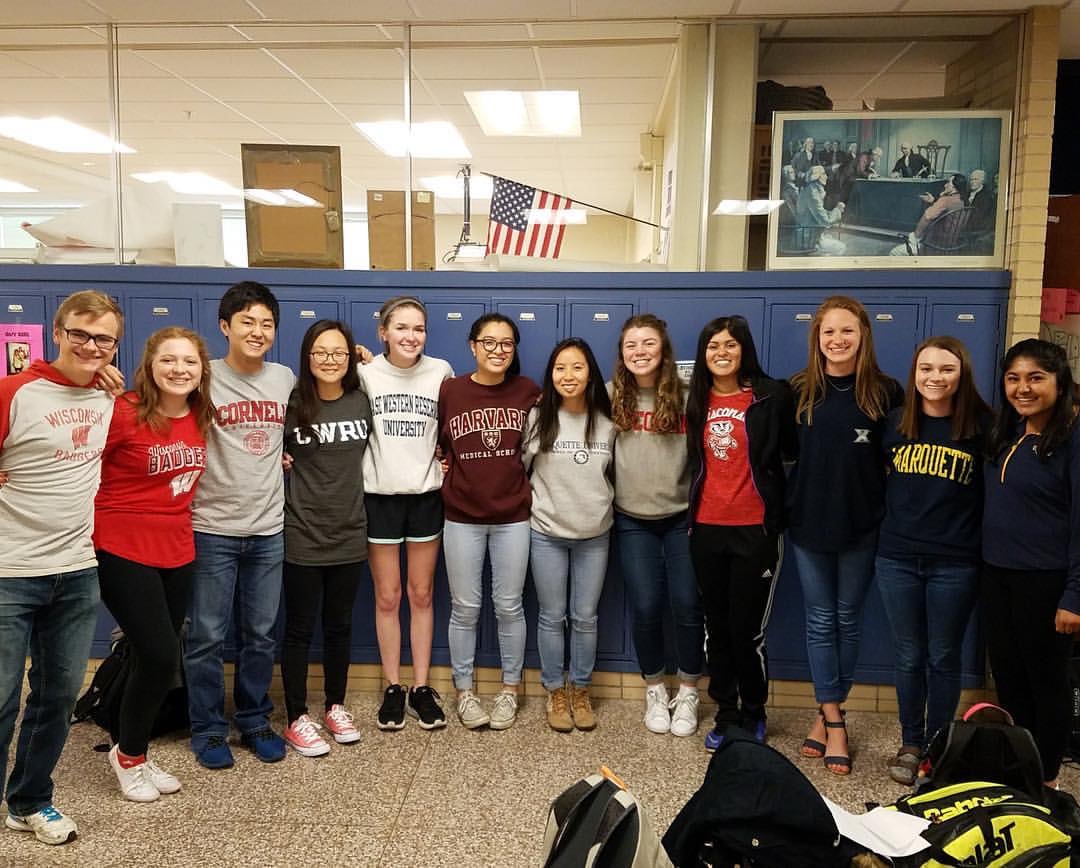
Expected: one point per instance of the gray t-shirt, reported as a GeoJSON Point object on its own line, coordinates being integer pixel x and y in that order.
{"type": "Point", "coordinates": [652, 477]}
{"type": "Point", "coordinates": [325, 522]}
{"type": "Point", "coordinates": [241, 492]}
{"type": "Point", "coordinates": [572, 489]}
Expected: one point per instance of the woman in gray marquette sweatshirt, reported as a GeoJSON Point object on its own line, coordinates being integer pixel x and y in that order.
{"type": "Point", "coordinates": [652, 483]}
{"type": "Point", "coordinates": [569, 445]}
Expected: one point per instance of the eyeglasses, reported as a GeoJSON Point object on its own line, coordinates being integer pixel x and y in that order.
{"type": "Point", "coordinates": [102, 342]}
{"type": "Point", "coordinates": [338, 356]}
{"type": "Point", "coordinates": [489, 344]}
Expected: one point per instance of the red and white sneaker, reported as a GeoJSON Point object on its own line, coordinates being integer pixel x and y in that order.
{"type": "Point", "coordinates": [339, 723]}
{"type": "Point", "coordinates": [303, 735]}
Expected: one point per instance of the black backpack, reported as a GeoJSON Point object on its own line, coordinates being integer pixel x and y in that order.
{"type": "Point", "coordinates": [101, 701]}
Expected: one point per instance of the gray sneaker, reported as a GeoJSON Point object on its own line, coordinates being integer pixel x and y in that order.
{"type": "Point", "coordinates": [469, 710]}
{"type": "Point", "coordinates": [504, 710]}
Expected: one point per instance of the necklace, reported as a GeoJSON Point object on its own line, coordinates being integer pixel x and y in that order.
{"type": "Point", "coordinates": [838, 388]}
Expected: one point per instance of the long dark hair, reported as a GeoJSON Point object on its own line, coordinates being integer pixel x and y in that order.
{"type": "Point", "coordinates": [697, 400]}
{"type": "Point", "coordinates": [969, 409]}
{"type": "Point", "coordinates": [1052, 359]}
{"type": "Point", "coordinates": [308, 407]}
{"type": "Point", "coordinates": [668, 412]}
{"type": "Point", "coordinates": [546, 428]}
{"type": "Point", "coordinates": [514, 368]}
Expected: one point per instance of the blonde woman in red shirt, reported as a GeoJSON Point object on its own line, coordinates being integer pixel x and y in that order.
{"type": "Point", "coordinates": [154, 456]}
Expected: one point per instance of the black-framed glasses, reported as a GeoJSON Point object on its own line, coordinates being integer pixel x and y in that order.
{"type": "Point", "coordinates": [337, 356]}
{"type": "Point", "coordinates": [102, 342]}
{"type": "Point", "coordinates": [490, 344]}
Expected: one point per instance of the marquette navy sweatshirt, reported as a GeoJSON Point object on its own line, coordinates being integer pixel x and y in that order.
{"type": "Point", "coordinates": [836, 493]}
{"type": "Point", "coordinates": [1031, 514]}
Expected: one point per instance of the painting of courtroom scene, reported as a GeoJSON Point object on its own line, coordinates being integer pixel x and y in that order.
{"type": "Point", "coordinates": [888, 190]}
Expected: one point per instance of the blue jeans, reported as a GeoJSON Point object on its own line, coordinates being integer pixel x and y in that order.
{"type": "Point", "coordinates": [464, 547]}
{"type": "Point", "coordinates": [834, 586]}
{"type": "Point", "coordinates": [53, 617]}
{"type": "Point", "coordinates": [928, 602]}
{"type": "Point", "coordinates": [584, 563]}
{"type": "Point", "coordinates": [654, 559]}
{"type": "Point", "coordinates": [245, 570]}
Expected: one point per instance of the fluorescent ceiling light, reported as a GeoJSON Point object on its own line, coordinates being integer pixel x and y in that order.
{"type": "Point", "coordinates": [286, 198]}
{"type": "Point", "coordinates": [563, 216]}
{"type": "Point", "coordinates": [451, 187]}
{"type": "Point", "coordinates": [7, 186]}
{"type": "Point", "coordinates": [743, 207]}
{"type": "Point", "coordinates": [429, 140]}
{"type": "Point", "coordinates": [191, 183]}
{"type": "Point", "coordinates": [549, 113]}
{"type": "Point", "coordinates": [57, 134]}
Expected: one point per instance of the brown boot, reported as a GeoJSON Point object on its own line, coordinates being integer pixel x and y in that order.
{"type": "Point", "coordinates": [558, 711]}
{"type": "Point", "coordinates": [581, 707]}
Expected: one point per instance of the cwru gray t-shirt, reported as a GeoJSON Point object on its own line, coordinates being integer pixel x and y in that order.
{"type": "Point", "coordinates": [242, 492]}
{"type": "Point", "coordinates": [325, 522]}
{"type": "Point", "coordinates": [572, 489]}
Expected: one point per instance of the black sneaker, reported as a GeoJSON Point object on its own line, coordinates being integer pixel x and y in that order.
{"type": "Point", "coordinates": [425, 705]}
{"type": "Point", "coordinates": [392, 710]}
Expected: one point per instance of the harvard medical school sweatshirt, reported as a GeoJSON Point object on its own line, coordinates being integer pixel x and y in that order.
{"type": "Point", "coordinates": [1031, 513]}
{"type": "Point", "coordinates": [572, 488]}
{"type": "Point", "coordinates": [52, 434]}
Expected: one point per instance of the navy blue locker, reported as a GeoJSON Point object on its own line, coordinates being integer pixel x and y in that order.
{"type": "Point", "coordinates": [210, 329]}
{"type": "Point", "coordinates": [540, 331]}
{"type": "Point", "coordinates": [448, 332]}
{"type": "Point", "coordinates": [686, 316]}
{"type": "Point", "coordinates": [599, 325]}
{"type": "Point", "coordinates": [978, 326]}
{"type": "Point", "coordinates": [296, 318]}
{"type": "Point", "coordinates": [24, 310]}
{"type": "Point", "coordinates": [146, 315]}
{"type": "Point", "coordinates": [364, 321]}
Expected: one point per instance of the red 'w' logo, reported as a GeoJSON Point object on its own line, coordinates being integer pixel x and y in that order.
{"type": "Point", "coordinates": [80, 434]}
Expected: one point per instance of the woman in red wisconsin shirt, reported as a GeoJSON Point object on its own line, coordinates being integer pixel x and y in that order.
{"type": "Point", "coordinates": [152, 462]}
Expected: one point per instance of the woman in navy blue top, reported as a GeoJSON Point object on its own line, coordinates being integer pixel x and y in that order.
{"type": "Point", "coordinates": [1031, 544]}
{"type": "Point", "coordinates": [927, 564]}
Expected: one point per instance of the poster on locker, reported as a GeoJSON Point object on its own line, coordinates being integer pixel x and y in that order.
{"type": "Point", "coordinates": [23, 343]}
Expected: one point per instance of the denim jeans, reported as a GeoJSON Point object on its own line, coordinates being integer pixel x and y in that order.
{"type": "Point", "coordinates": [928, 602]}
{"type": "Point", "coordinates": [464, 547]}
{"type": "Point", "coordinates": [245, 570]}
{"type": "Point", "coordinates": [53, 617]}
{"type": "Point", "coordinates": [584, 563]}
{"type": "Point", "coordinates": [834, 586]}
{"type": "Point", "coordinates": [654, 559]}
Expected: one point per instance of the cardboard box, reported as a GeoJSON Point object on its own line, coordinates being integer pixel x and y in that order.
{"type": "Point", "coordinates": [386, 230]}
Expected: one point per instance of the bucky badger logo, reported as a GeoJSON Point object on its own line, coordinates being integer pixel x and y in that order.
{"type": "Point", "coordinates": [720, 439]}
{"type": "Point", "coordinates": [492, 437]}
{"type": "Point", "coordinates": [80, 436]}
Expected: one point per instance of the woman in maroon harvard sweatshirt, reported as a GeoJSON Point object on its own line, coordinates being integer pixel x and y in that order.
{"type": "Point", "coordinates": [487, 500]}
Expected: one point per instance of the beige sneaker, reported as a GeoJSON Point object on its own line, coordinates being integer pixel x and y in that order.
{"type": "Point", "coordinates": [581, 707]}
{"type": "Point", "coordinates": [558, 711]}
{"type": "Point", "coordinates": [504, 710]}
{"type": "Point", "coordinates": [471, 715]}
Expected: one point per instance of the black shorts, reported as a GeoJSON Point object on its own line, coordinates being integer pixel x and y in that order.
{"type": "Point", "coordinates": [398, 518]}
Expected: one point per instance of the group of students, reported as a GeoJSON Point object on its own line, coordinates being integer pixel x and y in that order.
{"type": "Point", "coordinates": [193, 522]}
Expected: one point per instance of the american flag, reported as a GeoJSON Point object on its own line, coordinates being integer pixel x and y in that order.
{"type": "Point", "coordinates": [512, 224]}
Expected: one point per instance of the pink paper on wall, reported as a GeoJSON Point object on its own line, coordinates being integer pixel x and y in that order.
{"type": "Point", "coordinates": [22, 344]}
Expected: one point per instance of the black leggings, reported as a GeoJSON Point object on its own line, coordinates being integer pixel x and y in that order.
{"type": "Point", "coordinates": [149, 604]}
{"type": "Point", "coordinates": [304, 586]}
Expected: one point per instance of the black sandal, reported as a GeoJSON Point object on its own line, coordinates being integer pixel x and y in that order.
{"type": "Point", "coordinates": [838, 765]}
{"type": "Point", "coordinates": [811, 747]}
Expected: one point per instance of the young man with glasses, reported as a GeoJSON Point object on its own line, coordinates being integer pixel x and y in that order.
{"type": "Point", "coordinates": [53, 427]}
{"type": "Point", "coordinates": [238, 519]}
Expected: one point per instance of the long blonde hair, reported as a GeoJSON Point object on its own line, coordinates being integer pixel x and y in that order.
{"type": "Point", "coordinates": [149, 411]}
{"type": "Point", "coordinates": [670, 391]}
{"type": "Point", "coordinates": [871, 385]}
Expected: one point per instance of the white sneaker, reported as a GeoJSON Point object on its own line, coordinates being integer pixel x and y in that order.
{"type": "Point", "coordinates": [135, 783]}
{"type": "Point", "coordinates": [684, 717]}
{"type": "Point", "coordinates": [163, 782]}
{"type": "Point", "coordinates": [504, 710]}
{"type": "Point", "coordinates": [470, 712]}
{"type": "Point", "coordinates": [48, 825]}
{"type": "Point", "coordinates": [657, 716]}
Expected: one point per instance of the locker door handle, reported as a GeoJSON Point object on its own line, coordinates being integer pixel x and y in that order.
{"type": "Point", "coordinates": [965, 317]}
{"type": "Point", "coordinates": [601, 316]}
{"type": "Point", "coordinates": [15, 308]}
{"type": "Point", "coordinates": [527, 316]}
{"type": "Point", "coordinates": [160, 311]}
{"type": "Point", "coordinates": [307, 314]}
{"type": "Point", "coordinates": [453, 316]}
{"type": "Point", "coordinates": [884, 317]}
{"type": "Point", "coordinates": [803, 317]}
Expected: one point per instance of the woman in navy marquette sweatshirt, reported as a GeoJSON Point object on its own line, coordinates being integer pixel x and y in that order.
{"type": "Point", "coordinates": [1031, 544]}
{"type": "Point", "coordinates": [835, 501]}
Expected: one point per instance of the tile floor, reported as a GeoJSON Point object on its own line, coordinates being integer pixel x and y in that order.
{"type": "Point", "coordinates": [410, 798]}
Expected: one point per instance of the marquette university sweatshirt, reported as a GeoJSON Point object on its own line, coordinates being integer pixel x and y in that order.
{"type": "Point", "coordinates": [52, 434]}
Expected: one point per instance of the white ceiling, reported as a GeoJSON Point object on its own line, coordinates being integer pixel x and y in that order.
{"type": "Point", "coordinates": [200, 77]}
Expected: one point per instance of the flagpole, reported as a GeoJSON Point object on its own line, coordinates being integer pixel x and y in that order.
{"type": "Point", "coordinates": [589, 205]}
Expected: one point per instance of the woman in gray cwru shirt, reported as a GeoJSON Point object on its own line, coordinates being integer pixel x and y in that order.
{"type": "Point", "coordinates": [570, 445]}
